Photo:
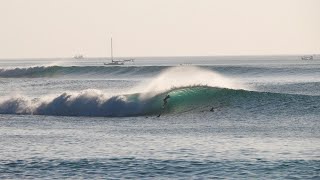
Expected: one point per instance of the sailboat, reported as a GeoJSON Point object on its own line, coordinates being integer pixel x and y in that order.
{"type": "Point", "coordinates": [117, 62]}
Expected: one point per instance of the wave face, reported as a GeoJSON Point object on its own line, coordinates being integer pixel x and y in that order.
{"type": "Point", "coordinates": [57, 71]}
{"type": "Point", "coordinates": [183, 100]}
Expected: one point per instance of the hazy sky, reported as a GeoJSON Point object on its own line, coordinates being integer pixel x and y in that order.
{"type": "Point", "coordinates": [62, 28]}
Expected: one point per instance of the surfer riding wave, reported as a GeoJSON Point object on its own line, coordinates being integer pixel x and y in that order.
{"type": "Point", "coordinates": [165, 102]}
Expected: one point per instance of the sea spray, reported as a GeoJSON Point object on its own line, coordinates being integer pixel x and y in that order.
{"type": "Point", "coordinates": [183, 76]}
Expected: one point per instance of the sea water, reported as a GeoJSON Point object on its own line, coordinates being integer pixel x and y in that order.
{"type": "Point", "coordinates": [227, 117]}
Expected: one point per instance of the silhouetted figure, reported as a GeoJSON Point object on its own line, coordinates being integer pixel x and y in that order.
{"type": "Point", "coordinates": [165, 100]}
{"type": "Point", "coordinates": [212, 109]}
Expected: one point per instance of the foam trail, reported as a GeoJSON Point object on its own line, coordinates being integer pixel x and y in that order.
{"type": "Point", "coordinates": [16, 105]}
{"type": "Point", "coordinates": [90, 103]}
{"type": "Point", "coordinates": [84, 103]}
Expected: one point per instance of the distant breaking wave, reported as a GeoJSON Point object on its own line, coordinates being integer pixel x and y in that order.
{"type": "Point", "coordinates": [194, 99]}
{"type": "Point", "coordinates": [56, 71]}
{"type": "Point", "coordinates": [59, 71]}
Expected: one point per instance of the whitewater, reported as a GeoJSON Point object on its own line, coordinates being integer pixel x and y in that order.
{"type": "Point", "coordinates": [235, 117]}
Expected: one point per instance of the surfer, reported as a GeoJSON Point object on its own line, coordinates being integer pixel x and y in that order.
{"type": "Point", "coordinates": [165, 100]}
{"type": "Point", "coordinates": [212, 109]}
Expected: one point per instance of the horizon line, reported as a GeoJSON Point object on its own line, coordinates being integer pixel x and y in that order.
{"type": "Point", "coordinates": [177, 56]}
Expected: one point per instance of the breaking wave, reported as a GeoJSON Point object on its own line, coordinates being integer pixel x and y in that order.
{"type": "Point", "coordinates": [56, 71]}
{"type": "Point", "coordinates": [184, 99]}
{"type": "Point", "coordinates": [192, 90]}
{"type": "Point", "coordinates": [59, 71]}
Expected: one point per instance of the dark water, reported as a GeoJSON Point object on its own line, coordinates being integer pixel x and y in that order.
{"type": "Point", "coordinates": [81, 120]}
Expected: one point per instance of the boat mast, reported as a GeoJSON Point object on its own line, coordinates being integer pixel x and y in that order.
{"type": "Point", "coordinates": [111, 51]}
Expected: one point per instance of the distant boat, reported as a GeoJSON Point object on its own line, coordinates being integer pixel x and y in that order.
{"type": "Point", "coordinates": [117, 62]}
{"type": "Point", "coordinates": [78, 56]}
{"type": "Point", "coordinates": [307, 58]}
{"type": "Point", "coordinates": [186, 64]}
{"type": "Point", "coordinates": [114, 63]}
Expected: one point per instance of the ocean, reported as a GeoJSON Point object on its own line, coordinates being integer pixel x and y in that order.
{"type": "Point", "coordinates": [242, 117]}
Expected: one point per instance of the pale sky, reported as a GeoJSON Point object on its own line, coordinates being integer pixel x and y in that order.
{"type": "Point", "coordinates": [63, 28]}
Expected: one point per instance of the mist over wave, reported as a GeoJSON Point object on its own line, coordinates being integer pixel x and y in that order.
{"type": "Point", "coordinates": [183, 76]}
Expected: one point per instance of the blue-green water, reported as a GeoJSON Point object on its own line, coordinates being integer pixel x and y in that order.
{"type": "Point", "coordinates": [82, 120]}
